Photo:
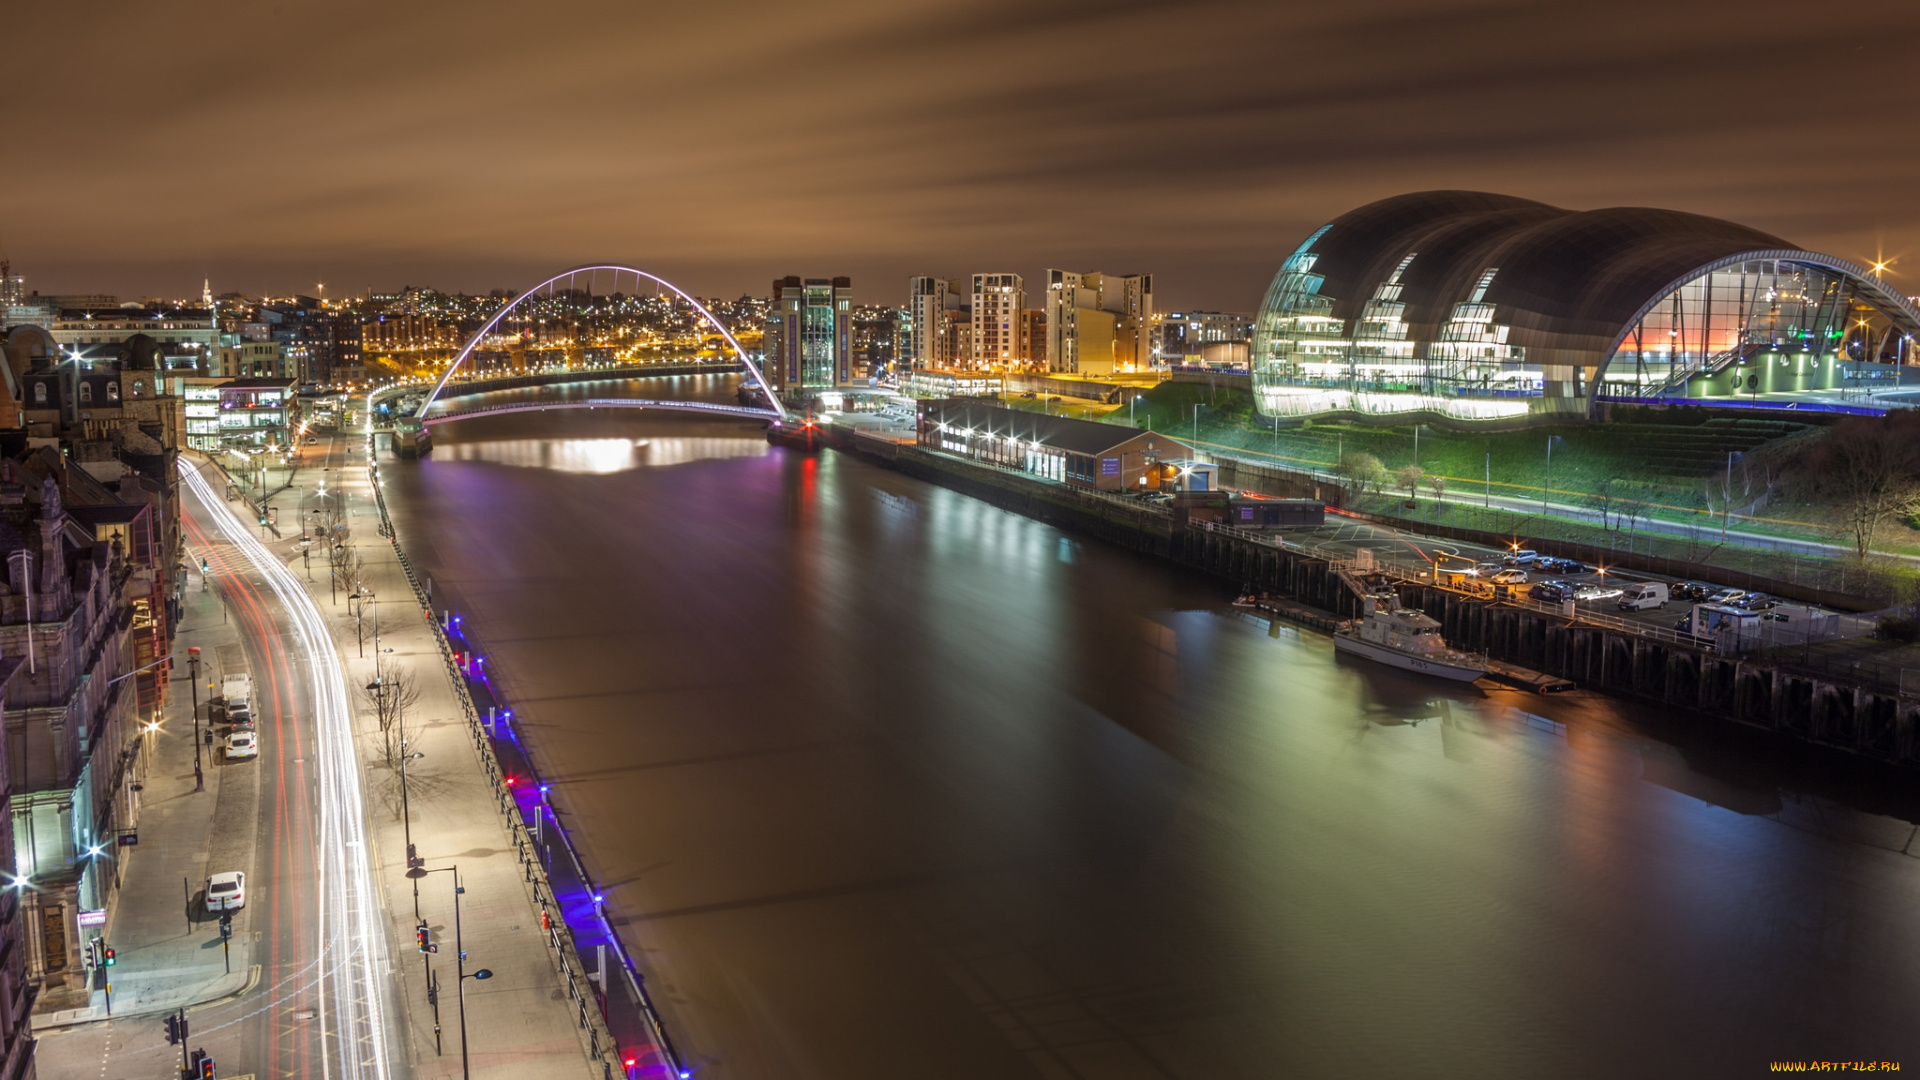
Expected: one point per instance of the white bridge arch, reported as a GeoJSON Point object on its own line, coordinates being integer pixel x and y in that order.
{"type": "Point", "coordinates": [773, 399]}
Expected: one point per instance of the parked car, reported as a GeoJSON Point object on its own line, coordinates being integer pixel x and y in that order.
{"type": "Point", "coordinates": [227, 891]}
{"type": "Point", "coordinates": [1757, 602]}
{"type": "Point", "coordinates": [1598, 592]}
{"type": "Point", "coordinates": [1727, 596]}
{"type": "Point", "coordinates": [243, 744]}
{"type": "Point", "coordinates": [1575, 566]}
{"type": "Point", "coordinates": [1485, 569]}
{"type": "Point", "coordinates": [1550, 592]}
{"type": "Point", "coordinates": [1510, 577]}
{"type": "Point", "coordinates": [1642, 595]}
{"type": "Point", "coordinates": [1691, 590]}
{"type": "Point", "coordinates": [1522, 557]}
{"type": "Point", "coordinates": [240, 717]}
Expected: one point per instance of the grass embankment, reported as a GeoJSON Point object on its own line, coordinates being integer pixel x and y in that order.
{"type": "Point", "coordinates": [1671, 466]}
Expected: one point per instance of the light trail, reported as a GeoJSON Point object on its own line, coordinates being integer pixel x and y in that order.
{"type": "Point", "coordinates": [349, 924]}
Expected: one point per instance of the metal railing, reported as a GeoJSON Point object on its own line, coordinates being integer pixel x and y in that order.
{"type": "Point", "coordinates": [599, 1041]}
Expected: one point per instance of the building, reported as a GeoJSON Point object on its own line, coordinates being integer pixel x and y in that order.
{"type": "Point", "coordinates": [73, 748]}
{"type": "Point", "coordinates": [998, 301]}
{"type": "Point", "coordinates": [933, 383]}
{"type": "Point", "coordinates": [1078, 453]}
{"type": "Point", "coordinates": [1203, 338]}
{"type": "Point", "coordinates": [1480, 306]}
{"type": "Point", "coordinates": [258, 412]}
{"type": "Point", "coordinates": [16, 989]}
{"type": "Point", "coordinates": [1097, 323]}
{"type": "Point", "coordinates": [1033, 338]}
{"type": "Point", "coordinates": [808, 343]}
{"type": "Point", "coordinates": [879, 332]}
{"type": "Point", "coordinates": [185, 337]}
{"type": "Point", "coordinates": [930, 302]}
{"type": "Point", "coordinates": [267, 359]}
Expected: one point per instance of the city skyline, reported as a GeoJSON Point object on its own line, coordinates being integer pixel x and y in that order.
{"type": "Point", "coordinates": [1227, 133]}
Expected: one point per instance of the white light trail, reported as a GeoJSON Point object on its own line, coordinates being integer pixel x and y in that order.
{"type": "Point", "coordinates": [353, 986]}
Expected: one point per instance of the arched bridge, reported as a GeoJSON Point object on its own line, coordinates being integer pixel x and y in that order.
{"type": "Point", "coordinates": [532, 299]}
{"type": "Point", "coordinates": [503, 408]}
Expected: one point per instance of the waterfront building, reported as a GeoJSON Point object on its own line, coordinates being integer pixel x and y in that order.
{"type": "Point", "coordinates": [998, 300]}
{"type": "Point", "coordinates": [1478, 306]}
{"type": "Point", "coordinates": [1079, 453]}
{"type": "Point", "coordinates": [809, 336]}
{"type": "Point", "coordinates": [258, 412]}
{"type": "Point", "coordinates": [1098, 323]}
{"type": "Point", "coordinates": [929, 300]}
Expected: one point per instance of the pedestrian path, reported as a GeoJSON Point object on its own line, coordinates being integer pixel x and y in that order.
{"type": "Point", "coordinates": [519, 1022]}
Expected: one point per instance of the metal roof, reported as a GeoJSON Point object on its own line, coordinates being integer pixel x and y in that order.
{"type": "Point", "coordinates": [1058, 432]}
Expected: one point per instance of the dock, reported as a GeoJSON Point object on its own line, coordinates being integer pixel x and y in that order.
{"type": "Point", "coordinates": [1527, 678]}
{"type": "Point", "coordinates": [1282, 608]}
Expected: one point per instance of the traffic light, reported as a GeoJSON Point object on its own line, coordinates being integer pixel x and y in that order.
{"type": "Point", "coordinates": [106, 956]}
{"type": "Point", "coordinates": [226, 924]}
{"type": "Point", "coordinates": [423, 937]}
{"type": "Point", "coordinates": [174, 1034]}
{"type": "Point", "coordinates": [206, 1070]}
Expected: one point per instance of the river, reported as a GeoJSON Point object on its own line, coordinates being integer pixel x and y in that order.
{"type": "Point", "coordinates": [886, 782]}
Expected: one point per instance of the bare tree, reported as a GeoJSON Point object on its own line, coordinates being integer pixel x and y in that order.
{"type": "Point", "coordinates": [1869, 469]}
{"type": "Point", "coordinates": [1410, 477]}
{"type": "Point", "coordinates": [1438, 485]}
{"type": "Point", "coordinates": [390, 695]}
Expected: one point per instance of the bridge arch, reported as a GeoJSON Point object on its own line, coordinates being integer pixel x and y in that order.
{"type": "Point", "coordinates": [773, 399]}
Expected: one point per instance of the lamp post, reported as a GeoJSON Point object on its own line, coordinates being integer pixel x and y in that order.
{"type": "Point", "coordinates": [459, 956]}
{"type": "Point", "coordinates": [406, 822]}
{"type": "Point", "coordinates": [193, 670]}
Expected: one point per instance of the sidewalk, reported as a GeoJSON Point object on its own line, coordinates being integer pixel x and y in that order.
{"type": "Point", "coordinates": [519, 1022]}
{"type": "Point", "coordinates": [167, 945]}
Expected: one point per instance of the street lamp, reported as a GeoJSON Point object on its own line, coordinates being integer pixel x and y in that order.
{"type": "Point", "coordinates": [406, 820]}
{"type": "Point", "coordinates": [459, 956]}
{"type": "Point", "coordinates": [193, 670]}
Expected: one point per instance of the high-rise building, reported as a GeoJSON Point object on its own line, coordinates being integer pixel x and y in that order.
{"type": "Point", "coordinates": [1098, 323]}
{"type": "Point", "coordinates": [1033, 338]}
{"type": "Point", "coordinates": [998, 300]}
{"type": "Point", "coordinates": [809, 337]}
{"type": "Point", "coordinates": [929, 300]}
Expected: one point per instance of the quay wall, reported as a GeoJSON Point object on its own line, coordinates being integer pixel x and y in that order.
{"type": "Point", "coordinates": [1860, 715]}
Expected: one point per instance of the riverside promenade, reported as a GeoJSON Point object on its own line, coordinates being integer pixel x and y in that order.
{"type": "Point", "coordinates": [520, 1021]}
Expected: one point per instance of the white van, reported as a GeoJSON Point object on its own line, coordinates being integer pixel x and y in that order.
{"type": "Point", "coordinates": [238, 690]}
{"type": "Point", "coordinates": [1642, 595]}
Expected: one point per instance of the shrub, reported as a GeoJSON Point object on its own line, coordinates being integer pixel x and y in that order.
{"type": "Point", "coordinates": [1901, 628]}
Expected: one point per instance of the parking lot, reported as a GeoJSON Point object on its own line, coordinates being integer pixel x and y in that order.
{"type": "Point", "coordinates": [1598, 588]}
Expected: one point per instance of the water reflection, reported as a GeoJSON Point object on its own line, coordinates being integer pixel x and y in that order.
{"type": "Point", "coordinates": [601, 456]}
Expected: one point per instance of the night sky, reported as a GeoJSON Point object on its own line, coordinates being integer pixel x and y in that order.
{"type": "Point", "coordinates": [273, 145]}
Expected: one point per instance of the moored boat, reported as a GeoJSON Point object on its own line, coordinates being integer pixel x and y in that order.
{"type": "Point", "coordinates": [1406, 639]}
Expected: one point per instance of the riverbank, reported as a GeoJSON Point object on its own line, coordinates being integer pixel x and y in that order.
{"type": "Point", "coordinates": [1857, 708]}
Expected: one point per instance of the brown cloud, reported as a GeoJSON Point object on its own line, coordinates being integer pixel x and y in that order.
{"type": "Point", "coordinates": [272, 145]}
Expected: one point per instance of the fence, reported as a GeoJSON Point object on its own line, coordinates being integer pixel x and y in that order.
{"type": "Point", "coordinates": [600, 1043]}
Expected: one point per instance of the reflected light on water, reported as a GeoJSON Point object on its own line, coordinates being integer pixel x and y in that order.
{"type": "Point", "coordinates": [601, 456]}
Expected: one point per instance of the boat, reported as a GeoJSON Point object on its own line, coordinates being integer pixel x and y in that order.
{"type": "Point", "coordinates": [1405, 638]}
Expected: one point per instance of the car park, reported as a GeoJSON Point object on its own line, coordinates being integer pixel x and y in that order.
{"type": "Point", "coordinates": [243, 744]}
{"type": "Point", "coordinates": [1550, 592]}
{"type": "Point", "coordinates": [1510, 577]}
{"type": "Point", "coordinates": [226, 892]}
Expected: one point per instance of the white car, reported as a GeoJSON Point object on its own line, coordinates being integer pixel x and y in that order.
{"type": "Point", "coordinates": [1597, 592]}
{"type": "Point", "coordinates": [1510, 577]}
{"type": "Point", "coordinates": [243, 744]}
{"type": "Point", "coordinates": [227, 891]}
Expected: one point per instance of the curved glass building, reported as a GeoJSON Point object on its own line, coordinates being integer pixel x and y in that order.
{"type": "Point", "coordinates": [1487, 307]}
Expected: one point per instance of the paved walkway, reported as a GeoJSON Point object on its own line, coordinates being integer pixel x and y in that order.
{"type": "Point", "coordinates": [519, 1023]}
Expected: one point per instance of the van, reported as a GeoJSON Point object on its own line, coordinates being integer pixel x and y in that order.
{"type": "Point", "coordinates": [1642, 595]}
